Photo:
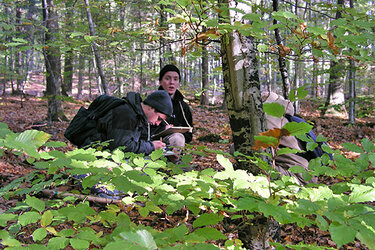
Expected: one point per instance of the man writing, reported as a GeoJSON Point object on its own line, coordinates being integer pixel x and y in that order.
{"type": "Point", "coordinates": [169, 80]}
{"type": "Point", "coordinates": [128, 125]}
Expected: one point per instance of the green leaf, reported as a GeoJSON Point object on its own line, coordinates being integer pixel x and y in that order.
{"type": "Point", "coordinates": [139, 161]}
{"type": "Point", "coordinates": [224, 162]}
{"type": "Point", "coordinates": [156, 154]}
{"type": "Point", "coordinates": [35, 203]}
{"type": "Point", "coordinates": [39, 234]}
{"type": "Point", "coordinates": [34, 138]}
{"type": "Point", "coordinates": [117, 156]}
{"type": "Point", "coordinates": [11, 242]}
{"type": "Point", "coordinates": [342, 234]}
{"type": "Point", "coordinates": [298, 94]}
{"type": "Point", "coordinates": [66, 232]}
{"type": "Point", "coordinates": [367, 145]}
{"type": "Point", "coordinates": [142, 238]}
{"type": "Point", "coordinates": [79, 244]}
{"type": "Point", "coordinates": [268, 140]}
{"type": "Point", "coordinates": [187, 158]}
{"type": "Point", "coordinates": [46, 218]}
{"type": "Point", "coordinates": [209, 233]}
{"type": "Point", "coordinates": [28, 218]}
{"type": "Point", "coordinates": [297, 169]}
{"type": "Point", "coordinates": [283, 151]}
{"type": "Point", "coordinates": [4, 218]}
{"type": "Point", "coordinates": [153, 208]}
{"type": "Point", "coordinates": [288, 14]}
{"type": "Point", "coordinates": [362, 194]}
{"type": "Point", "coordinates": [352, 147]}
{"type": "Point", "coordinates": [321, 222]}
{"type": "Point", "coordinates": [252, 17]}
{"type": "Point", "coordinates": [207, 219]}
{"type": "Point", "coordinates": [178, 19]}
{"type": "Point", "coordinates": [274, 109]}
{"type": "Point", "coordinates": [296, 128]}
{"type": "Point", "coordinates": [143, 211]}
{"type": "Point", "coordinates": [58, 243]}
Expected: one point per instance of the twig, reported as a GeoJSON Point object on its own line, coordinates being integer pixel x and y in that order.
{"type": "Point", "coordinates": [52, 193]}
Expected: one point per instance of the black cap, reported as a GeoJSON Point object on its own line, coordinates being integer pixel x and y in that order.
{"type": "Point", "coordinates": [160, 101]}
{"type": "Point", "coordinates": [169, 67]}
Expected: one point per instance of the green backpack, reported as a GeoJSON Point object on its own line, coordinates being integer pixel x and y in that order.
{"type": "Point", "coordinates": [83, 124]}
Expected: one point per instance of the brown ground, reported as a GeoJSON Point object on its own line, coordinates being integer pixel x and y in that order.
{"type": "Point", "coordinates": [30, 113]}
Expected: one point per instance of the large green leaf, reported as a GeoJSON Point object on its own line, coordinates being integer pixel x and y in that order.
{"type": "Point", "coordinates": [296, 128]}
{"type": "Point", "coordinates": [142, 238]}
{"type": "Point", "coordinates": [274, 109]}
{"type": "Point", "coordinates": [207, 219]}
{"type": "Point", "coordinates": [39, 234]}
{"type": "Point", "coordinates": [28, 218]}
{"type": "Point", "coordinates": [35, 203]}
{"type": "Point", "coordinates": [34, 138]}
{"type": "Point", "coordinates": [342, 234]}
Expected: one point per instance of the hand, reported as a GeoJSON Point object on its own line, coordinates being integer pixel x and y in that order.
{"type": "Point", "coordinates": [169, 126]}
{"type": "Point", "coordinates": [158, 144]}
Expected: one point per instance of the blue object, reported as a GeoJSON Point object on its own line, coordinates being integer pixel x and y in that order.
{"type": "Point", "coordinates": [318, 151]}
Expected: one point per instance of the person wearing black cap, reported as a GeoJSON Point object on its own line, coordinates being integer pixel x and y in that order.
{"type": "Point", "coordinates": [169, 80]}
{"type": "Point", "coordinates": [128, 125]}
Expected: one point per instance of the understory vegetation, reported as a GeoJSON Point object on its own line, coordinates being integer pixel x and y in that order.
{"type": "Point", "coordinates": [158, 205]}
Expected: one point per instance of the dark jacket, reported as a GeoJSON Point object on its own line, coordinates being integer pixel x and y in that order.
{"type": "Point", "coordinates": [178, 120]}
{"type": "Point", "coordinates": [126, 125]}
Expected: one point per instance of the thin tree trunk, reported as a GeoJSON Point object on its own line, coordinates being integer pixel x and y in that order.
{"type": "Point", "coordinates": [67, 83]}
{"type": "Point", "coordinates": [52, 61]}
{"type": "Point", "coordinates": [18, 55]}
{"type": "Point", "coordinates": [81, 69]}
{"type": "Point", "coordinates": [352, 92]}
{"type": "Point", "coordinates": [335, 94]}
{"type": "Point", "coordinates": [281, 58]}
{"type": "Point", "coordinates": [103, 88]}
{"type": "Point", "coordinates": [205, 84]}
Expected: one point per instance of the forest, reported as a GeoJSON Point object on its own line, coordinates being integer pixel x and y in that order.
{"type": "Point", "coordinates": [57, 56]}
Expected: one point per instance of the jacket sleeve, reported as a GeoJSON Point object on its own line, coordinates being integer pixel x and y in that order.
{"type": "Point", "coordinates": [123, 128]}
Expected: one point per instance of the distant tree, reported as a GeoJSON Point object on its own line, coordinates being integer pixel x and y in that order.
{"type": "Point", "coordinates": [335, 95]}
{"type": "Point", "coordinates": [204, 100]}
{"type": "Point", "coordinates": [352, 85]}
{"type": "Point", "coordinates": [102, 83]}
{"type": "Point", "coordinates": [69, 56]}
{"type": "Point", "coordinates": [281, 56]}
{"type": "Point", "coordinates": [52, 61]}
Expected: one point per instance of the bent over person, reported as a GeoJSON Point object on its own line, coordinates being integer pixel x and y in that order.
{"type": "Point", "coordinates": [128, 125]}
{"type": "Point", "coordinates": [169, 80]}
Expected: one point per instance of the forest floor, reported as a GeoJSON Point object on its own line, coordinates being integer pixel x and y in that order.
{"type": "Point", "coordinates": [210, 123]}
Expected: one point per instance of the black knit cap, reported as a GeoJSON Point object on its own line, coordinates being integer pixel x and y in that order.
{"type": "Point", "coordinates": [169, 67]}
{"type": "Point", "coordinates": [160, 101]}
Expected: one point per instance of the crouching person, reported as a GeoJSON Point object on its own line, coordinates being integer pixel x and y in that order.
{"type": "Point", "coordinates": [286, 161]}
{"type": "Point", "coordinates": [128, 125]}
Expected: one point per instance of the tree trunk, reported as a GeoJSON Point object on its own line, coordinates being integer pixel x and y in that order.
{"type": "Point", "coordinates": [103, 88]}
{"type": "Point", "coordinates": [81, 72]}
{"type": "Point", "coordinates": [204, 100]}
{"type": "Point", "coordinates": [352, 92]}
{"type": "Point", "coordinates": [67, 84]}
{"type": "Point", "coordinates": [282, 62]}
{"type": "Point", "coordinates": [52, 62]}
{"type": "Point", "coordinates": [18, 55]}
{"type": "Point", "coordinates": [246, 115]}
{"type": "Point", "coordinates": [335, 94]}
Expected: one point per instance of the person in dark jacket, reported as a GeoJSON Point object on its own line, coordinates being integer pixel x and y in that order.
{"type": "Point", "coordinates": [169, 80]}
{"type": "Point", "coordinates": [128, 124]}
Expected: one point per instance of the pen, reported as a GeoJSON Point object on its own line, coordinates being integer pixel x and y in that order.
{"type": "Point", "coordinates": [166, 122]}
